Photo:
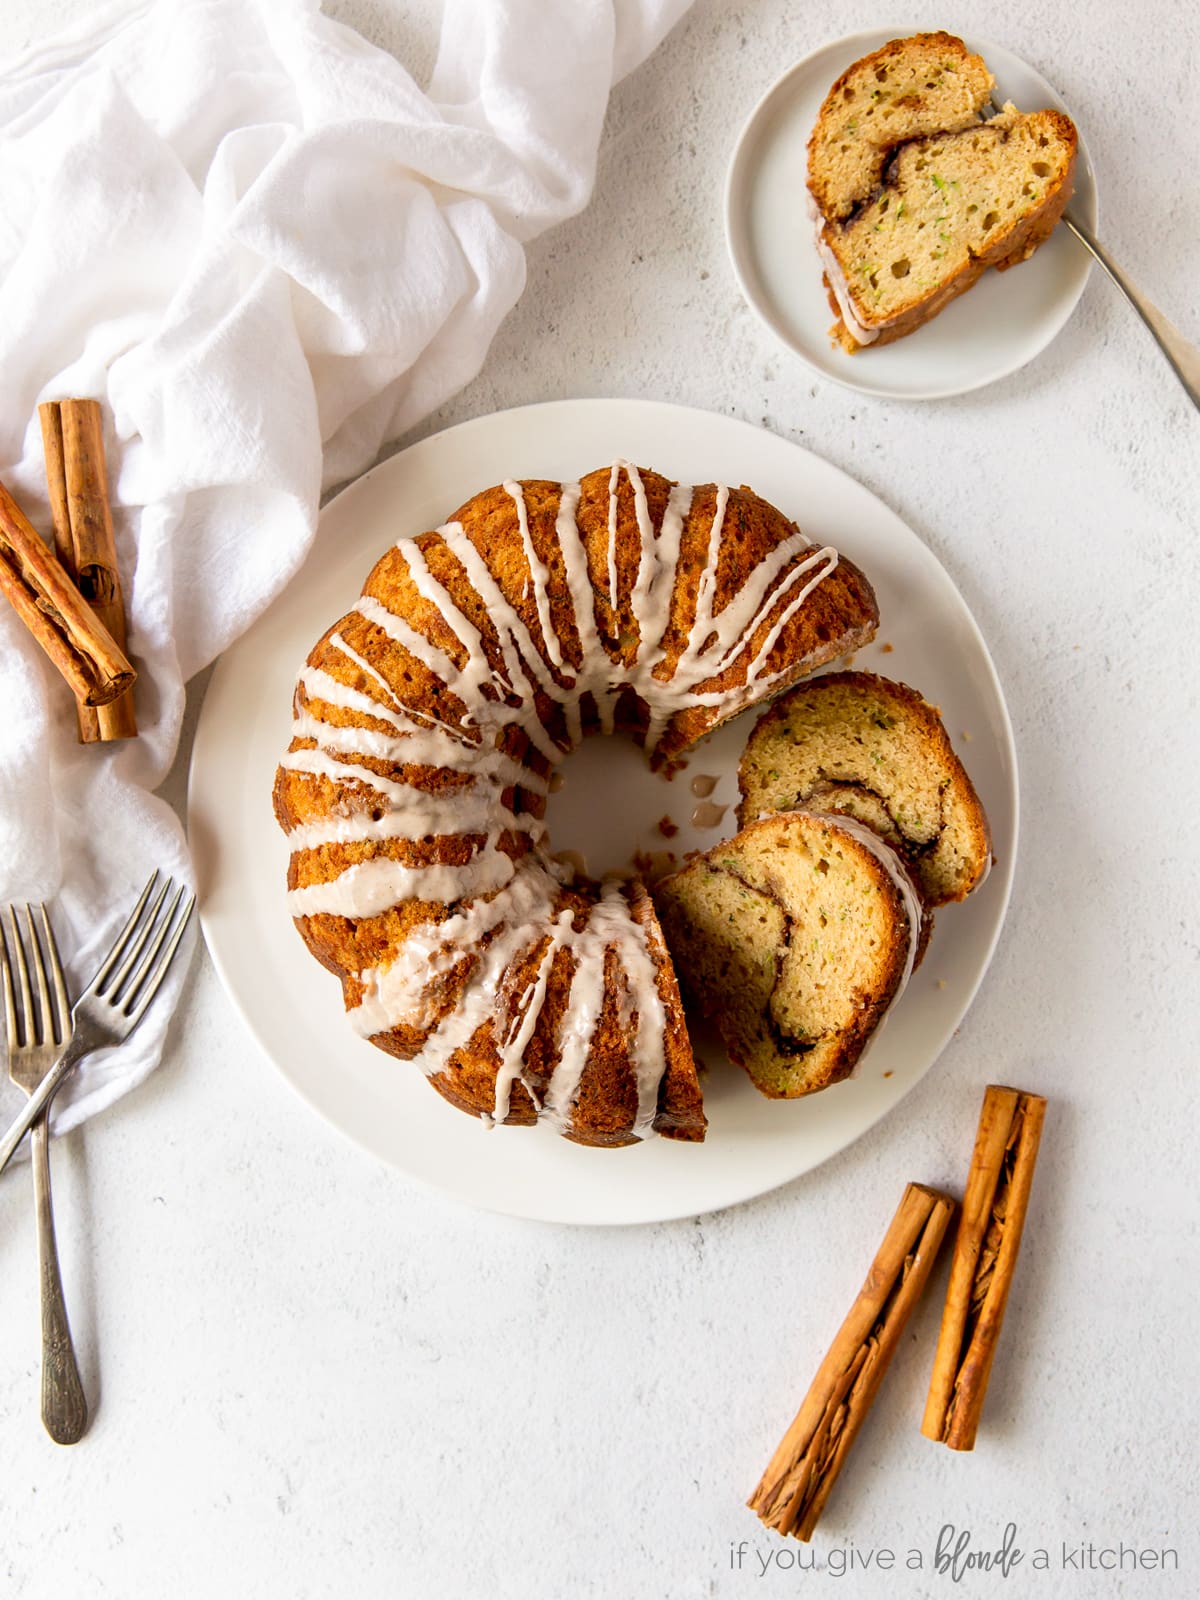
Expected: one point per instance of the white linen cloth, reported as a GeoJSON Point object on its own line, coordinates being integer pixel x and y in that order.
{"type": "Point", "coordinates": [267, 252]}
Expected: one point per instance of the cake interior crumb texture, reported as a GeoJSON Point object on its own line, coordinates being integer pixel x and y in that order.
{"type": "Point", "coordinates": [928, 84]}
{"type": "Point", "coordinates": [794, 938]}
{"type": "Point", "coordinates": [948, 200]}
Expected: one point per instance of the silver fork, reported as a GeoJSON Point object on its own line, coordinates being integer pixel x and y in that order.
{"type": "Point", "coordinates": [36, 1037]}
{"type": "Point", "coordinates": [115, 1001]}
{"type": "Point", "coordinates": [1183, 356]}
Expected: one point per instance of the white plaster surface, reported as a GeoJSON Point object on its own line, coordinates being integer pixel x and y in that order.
{"type": "Point", "coordinates": [312, 1378]}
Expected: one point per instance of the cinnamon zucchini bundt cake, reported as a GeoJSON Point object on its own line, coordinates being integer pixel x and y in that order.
{"type": "Point", "coordinates": [427, 724]}
{"type": "Point", "coordinates": [796, 937]}
{"type": "Point", "coordinates": [873, 749]}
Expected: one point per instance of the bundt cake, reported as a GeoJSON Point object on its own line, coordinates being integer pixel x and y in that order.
{"type": "Point", "coordinates": [796, 936]}
{"type": "Point", "coordinates": [916, 195]}
{"type": "Point", "coordinates": [427, 724]}
{"type": "Point", "coordinates": [868, 747]}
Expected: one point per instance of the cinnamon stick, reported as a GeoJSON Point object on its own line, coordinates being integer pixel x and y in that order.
{"type": "Point", "coordinates": [33, 580]}
{"type": "Point", "coordinates": [73, 439]}
{"type": "Point", "coordinates": [794, 1488]}
{"type": "Point", "coordinates": [985, 1256]}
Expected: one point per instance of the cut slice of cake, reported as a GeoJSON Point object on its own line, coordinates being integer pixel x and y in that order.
{"type": "Point", "coordinates": [796, 936]}
{"type": "Point", "coordinates": [910, 215]}
{"type": "Point", "coordinates": [864, 746]}
{"type": "Point", "coordinates": [929, 83]}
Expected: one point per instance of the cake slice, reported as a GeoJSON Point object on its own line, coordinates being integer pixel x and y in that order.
{"type": "Point", "coordinates": [867, 747]}
{"type": "Point", "coordinates": [910, 214]}
{"type": "Point", "coordinates": [929, 83]}
{"type": "Point", "coordinates": [795, 937]}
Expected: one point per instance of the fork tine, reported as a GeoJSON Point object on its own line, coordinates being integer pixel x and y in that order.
{"type": "Point", "coordinates": [155, 977]}
{"type": "Point", "coordinates": [114, 955]}
{"type": "Point", "coordinates": [62, 1000]}
{"type": "Point", "coordinates": [45, 1030]}
{"type": "Point", "coordinates": [117, 982]}
{"type": "Point", "coordinates": [10, 999]}
{"type": "Point", "coordinates": [22, 978]}
{"type": "Point", "coordinates": [161, 929]}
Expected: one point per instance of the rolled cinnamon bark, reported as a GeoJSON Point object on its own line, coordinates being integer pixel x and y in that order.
{"type": "Point", "coordinates": [73, 439]}
{"type": "Point", "coordinates": [796, 1484]}
{"type": "Point", "coordinates": [47, 601]}
{"type": "Point", "coordinates": [985, 1255]}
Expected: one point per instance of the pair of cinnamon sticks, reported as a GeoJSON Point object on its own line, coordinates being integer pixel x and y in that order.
{"type": "Point", "coordinates": [796, 1484]}
{"type": "Point", "coordinates": [70, 600]}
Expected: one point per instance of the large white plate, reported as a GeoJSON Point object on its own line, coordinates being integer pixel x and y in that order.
{"type": "Point", "coordinates": [1005, 320]}
{"type": "Point", "coordinates": [609, 806]}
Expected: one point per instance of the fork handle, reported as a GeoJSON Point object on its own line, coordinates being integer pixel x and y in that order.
{"type": "Point", "coordinates": [1180, 352]}
{"type": "Point", "coordinates": [64, 1404]}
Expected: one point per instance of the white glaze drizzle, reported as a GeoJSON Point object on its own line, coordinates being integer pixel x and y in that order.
{"type": "Point", "coordinates": [369, 887]}
{"type": "Point", "coordinates": [420, 648]}
{"type": "Point", "coordinates": [418, 749]}
{"type": "Point", "coordinates": [525, 1019]}
{"type": "Point", "coordinates": [521, 658]}
{"type": "Point", "coordinates": [650, 601]}
{"type": "Point", "coordinates": [320, 685]}
{"type": "Point", "coordinates": [614, 479]}
{"type": "Point", "coordinates": [583, 615]}
{"type": "Point", "coordinates": [837, 279]}
{"type": "Point", "coordinates": [500, 908]}
{"type": "Point", "coordinates": [338, 641]}
{"type": "Point", "coordinates": [539, 574]}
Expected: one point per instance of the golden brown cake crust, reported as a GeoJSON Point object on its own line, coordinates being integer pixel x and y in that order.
{"type": "Point", "coordinates": [448, 694]}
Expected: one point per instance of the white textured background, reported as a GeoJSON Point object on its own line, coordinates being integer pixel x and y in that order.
{"type": "Point", "coordinates": [314, 1379]}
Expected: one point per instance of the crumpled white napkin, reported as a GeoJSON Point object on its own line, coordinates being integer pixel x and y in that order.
{"type": "Point", "coordinates": [267, 252]}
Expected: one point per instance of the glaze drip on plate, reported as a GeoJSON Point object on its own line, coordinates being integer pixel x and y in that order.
{"type": "Point", "coordinates": [427, 726]}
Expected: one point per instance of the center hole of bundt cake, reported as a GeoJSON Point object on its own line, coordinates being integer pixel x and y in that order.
{"type": "Point", "coordinates": [608, 812]}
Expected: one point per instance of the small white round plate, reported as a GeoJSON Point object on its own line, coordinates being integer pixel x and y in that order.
{"type": "Point", "coordinates": [610, 806]}
{"type": "Point", "coordinates": [1004, 321]}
